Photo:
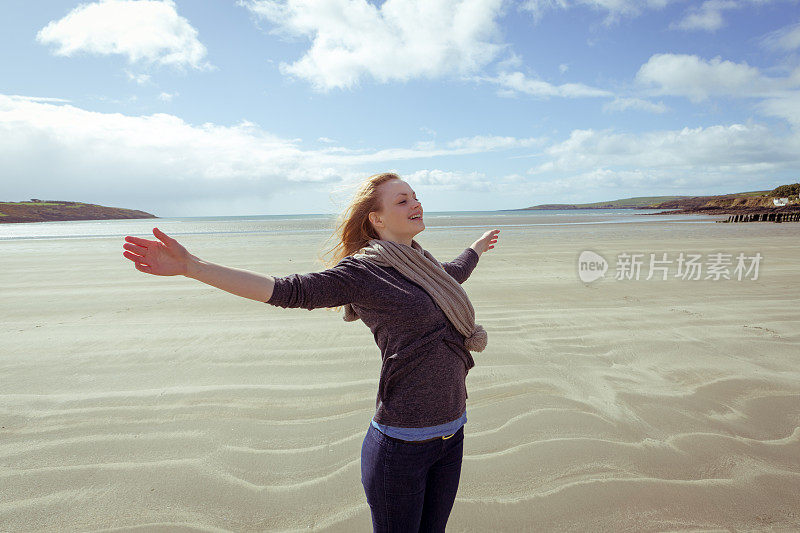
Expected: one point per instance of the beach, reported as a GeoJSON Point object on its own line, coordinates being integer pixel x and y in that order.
{"type": "Point", "coordinates": [133, 402]}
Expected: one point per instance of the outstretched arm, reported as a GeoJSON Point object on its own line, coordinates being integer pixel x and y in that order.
{"type": "Point", "coordinates": [462, 266]}
{"type": "Point", "coordinates": [167, 257]}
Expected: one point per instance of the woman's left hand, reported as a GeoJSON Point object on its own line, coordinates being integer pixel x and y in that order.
{"type": "Point", "coordinates": [486, 242]}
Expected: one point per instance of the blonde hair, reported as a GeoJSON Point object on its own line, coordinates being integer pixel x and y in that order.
{"type": "Point", "coordinates": [353, 229]}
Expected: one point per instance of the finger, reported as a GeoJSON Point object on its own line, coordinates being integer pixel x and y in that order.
{"type": "Point", "coordinates": [133, 257]}
{"type": "Point", "coordinates": [142, 268]}
{"type": "Point", "coordinates": [135, 248]}
{"type": "Point", "coordinates": [162, 236]}
{"type": "Point", "coordinates": [140, 242]}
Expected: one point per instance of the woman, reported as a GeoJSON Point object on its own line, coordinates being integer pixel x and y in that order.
{"type": "Point", "coordinates": [422, 321]}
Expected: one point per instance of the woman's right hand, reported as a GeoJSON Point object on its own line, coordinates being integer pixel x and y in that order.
{"type": "Point", "coordinates": [165, 258]}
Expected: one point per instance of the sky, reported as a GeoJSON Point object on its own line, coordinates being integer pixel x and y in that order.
{"type": "Point", "coordinates": [258, 107]}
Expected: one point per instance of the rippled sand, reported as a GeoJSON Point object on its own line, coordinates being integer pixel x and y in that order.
{"type": "Point", "coordinates": [136, 403]}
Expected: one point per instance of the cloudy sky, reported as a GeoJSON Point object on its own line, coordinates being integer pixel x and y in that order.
{"type": "Point", "coordinates": [187, 108]}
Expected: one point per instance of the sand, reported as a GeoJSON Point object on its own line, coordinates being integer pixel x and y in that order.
{"type": "Point", "coordinates": [132, 402]}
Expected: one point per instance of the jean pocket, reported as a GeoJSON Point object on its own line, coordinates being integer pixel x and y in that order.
{"type": "Point", "coordinates": [405, 473]}
{"type": "Point", "coordinates": [379, 438]}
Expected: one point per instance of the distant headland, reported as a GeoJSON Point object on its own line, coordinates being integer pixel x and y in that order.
{"type": "Point", "coordinates": [782, 199]}
{"type": "Point", "coordinates": [54, 210]}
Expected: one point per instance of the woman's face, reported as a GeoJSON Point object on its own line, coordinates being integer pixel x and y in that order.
{"type": "Point", "coordinates": [400, 204]}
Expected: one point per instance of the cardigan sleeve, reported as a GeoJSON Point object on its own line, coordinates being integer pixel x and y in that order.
{"type": "Point", "coordinates": [462, 266]}
{"type": "Point", "coordinates": [340, 285]}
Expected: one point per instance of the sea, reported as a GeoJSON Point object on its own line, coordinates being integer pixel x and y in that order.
{"type": "Point", "coordinates": [324, 223]}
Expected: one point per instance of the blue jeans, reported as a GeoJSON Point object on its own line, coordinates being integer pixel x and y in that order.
{"type": "Point", "coordinates": [410, 487]}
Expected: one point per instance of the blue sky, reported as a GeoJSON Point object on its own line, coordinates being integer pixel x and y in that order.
{"type": "Point", "coordinates": [186, 108]}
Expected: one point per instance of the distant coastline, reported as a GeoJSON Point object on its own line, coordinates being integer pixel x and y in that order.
{"type": "Point", "coordinates": [744, 203]}
{"type": "Point", "coordinates": [724, 204]}
{"type": "Point", "coordinates": [56, 210]}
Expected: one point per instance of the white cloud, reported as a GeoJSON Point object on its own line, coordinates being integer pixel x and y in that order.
{"type": "Point", "coordinates": [614, 9]}
{"type": "Point", "coordinates": [428, 149]}
{"type": "Point", "coordinates": [140, 79]}
{"type": "Point", "coordinates": [786, 38]}
{"type": "Point", "coordinates": [159, 161]}
{"type": "Point", "coordinates": [786, 107]}
{"type": "Point", "coordinates": [604, 165]}
{"type": "Point", "coordinates": [146, 31]}
{"type": "Point", "coordinates": [399, 40]}
{"type": "Point", "coordinates": [486, 143]}
{"type": "Point", "coordinates": [512, 83]}
{"type": "Point", "coordinates": [471, 182]}
{"type": "Point", "coordinates": [538, 7]}
{"type": "Point", "coordinates": [638, 104]}
{"type": "Point", "coordinates": [162, 161]}
{"type": "Point", "coordinates": [708, 16]}
{"type": "Point", "coordinates": [736, 149]}
{"type": "Point", "coordinates": [697, 78]}
{"type": "Point", "coordinates": [603, 184]}
{"type": "Point", "coordinates": [38, 99]}
{"type": "Point", "coordinates": [167, 97]}
{"type": "Point", "coordinates": [449, 180]}
{"type": "Point", "coordinates": [513, 61]}
{"type": "Point", "coordinates": [93, 147]}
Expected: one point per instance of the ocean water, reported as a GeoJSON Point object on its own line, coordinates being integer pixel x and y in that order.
{"type": "Point", "coordinates": [324, 223]}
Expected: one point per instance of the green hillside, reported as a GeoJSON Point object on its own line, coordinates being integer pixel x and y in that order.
{"type": "Point", "coordinates": [666, 202]}
{"type": "Point", "coordinates": [54, 210]}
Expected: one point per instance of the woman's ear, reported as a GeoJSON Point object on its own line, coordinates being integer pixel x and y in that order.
{"type": "Point", "coordinates": [375, 219]}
